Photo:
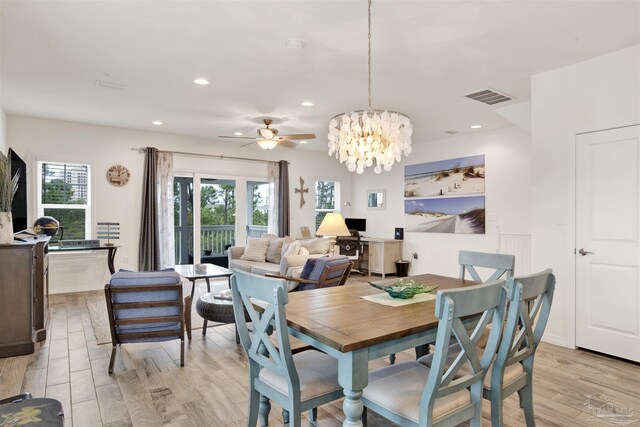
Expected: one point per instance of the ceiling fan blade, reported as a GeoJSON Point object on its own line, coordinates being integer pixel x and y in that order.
{"type": "Point", "coordinates": [287, 143]}
{"type": "Point", "coordinates": [235, 137]}
{"type": "Point", "coordinates": [298, 136]}
{"type": "Point", "coordinates": [248, 143]}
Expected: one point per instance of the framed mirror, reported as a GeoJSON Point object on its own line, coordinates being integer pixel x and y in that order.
{"type": "Point", "coordinates": [376, 199]}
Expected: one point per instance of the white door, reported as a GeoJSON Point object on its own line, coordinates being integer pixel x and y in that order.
{"type": "Point", "coordinates": [607, 242]}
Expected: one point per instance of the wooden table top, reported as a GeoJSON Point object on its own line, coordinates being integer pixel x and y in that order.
{"type": "Point", "coordinates": [339, 318]}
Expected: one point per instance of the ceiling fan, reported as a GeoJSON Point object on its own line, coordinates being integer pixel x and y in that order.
{"type": "Point", "coordinates": [268, 137]}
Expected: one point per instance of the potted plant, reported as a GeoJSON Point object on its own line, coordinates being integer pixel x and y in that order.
{"type": "Point", "coordinates": [8, 187]}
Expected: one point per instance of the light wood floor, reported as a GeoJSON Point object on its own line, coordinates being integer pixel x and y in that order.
{"type": "Point", "coordinates": [149, 388]}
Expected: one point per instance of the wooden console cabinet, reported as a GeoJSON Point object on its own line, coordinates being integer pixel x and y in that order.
{"type": "Point", "coordinates": [381, 254]}
{"type": "Point", "coordinates": [24, 296]}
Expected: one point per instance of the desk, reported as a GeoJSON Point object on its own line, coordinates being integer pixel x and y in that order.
{"type": "Point", "coordinates": [337, 321]}
{"type": "Point", "coordinates": [111, 255]}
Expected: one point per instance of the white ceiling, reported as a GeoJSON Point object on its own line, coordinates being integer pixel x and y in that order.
{"type": "Point", "coordinates": [426, 56]}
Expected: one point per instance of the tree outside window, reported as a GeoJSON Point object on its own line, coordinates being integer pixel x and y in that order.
{"type": "Point", "coordinates": [326, 199]}
{"type": "Point", "coordinates": [65, 196]}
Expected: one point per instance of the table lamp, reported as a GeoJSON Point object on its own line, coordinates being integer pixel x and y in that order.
{"type": "Point", "coordinates": [333, 226]}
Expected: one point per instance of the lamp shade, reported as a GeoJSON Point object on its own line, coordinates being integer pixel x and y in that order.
{"type": "Point", "coordinates": [333, 225]}
{"type": "Point", "coordinates": [267, 144]}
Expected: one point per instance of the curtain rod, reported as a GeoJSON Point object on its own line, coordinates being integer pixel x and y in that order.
{"type": "Point", "coordinates": [220, 156]}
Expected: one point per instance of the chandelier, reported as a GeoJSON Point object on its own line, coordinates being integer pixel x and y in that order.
{"type": "Point", "coordinates": [364, 137]}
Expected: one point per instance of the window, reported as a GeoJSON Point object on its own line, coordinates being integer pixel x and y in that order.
{"type": "Point", "coordinates": [327, 199]}
{"type": "Point", "coordinates": [257, 208]}
{"type": "Point", "coordinates": [65, 194]}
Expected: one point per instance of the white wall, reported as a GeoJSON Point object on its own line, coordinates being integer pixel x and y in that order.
{"type": "Point", "coordinates": [596, 93]}
{"type": "Point", "coordinates": [41, 139]}
{"type": "Point", "coordinates": [508, 205]}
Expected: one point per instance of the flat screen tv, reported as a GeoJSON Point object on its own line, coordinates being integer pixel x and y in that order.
{"type": "Point", "coordinates": [358, 224]}
{"type": "Point", "coordinates": [19, 205]}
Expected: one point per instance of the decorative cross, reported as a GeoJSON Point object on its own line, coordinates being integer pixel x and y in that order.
{"type": "Point", "coordinates": [302, 190]}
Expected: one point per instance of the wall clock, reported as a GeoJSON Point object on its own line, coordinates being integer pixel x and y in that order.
{"type": "Point", "coordinates": [118, 175]}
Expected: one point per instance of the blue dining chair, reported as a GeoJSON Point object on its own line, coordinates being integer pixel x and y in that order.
{"type": "Point", "coordinates": [297, 382]}
{"type": "Point", "coordinates": [502, 264]}
{"type": "Point", "coordinates": [530, 304]}
{"type": "Point", "coordinates": [530, 299]}
{"type": "Point", "coordinates": [411, 394]}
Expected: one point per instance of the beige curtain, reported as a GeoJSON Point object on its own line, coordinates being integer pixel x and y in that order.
{"type": "Point", "coordinates": [273, 176]}
{"type": "Point", "coordinates": [164, 183]}
{"type": "Point", "coordinates": [278, 177]}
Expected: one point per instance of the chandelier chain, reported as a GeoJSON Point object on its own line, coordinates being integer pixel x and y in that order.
{"type": "Point", "coordinates": [369, 52]}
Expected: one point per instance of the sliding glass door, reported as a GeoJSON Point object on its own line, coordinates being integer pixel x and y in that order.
{"type": "Point", "coordinates": [217, 217]}
{"type": "Point", "coordinates": [223, 212]}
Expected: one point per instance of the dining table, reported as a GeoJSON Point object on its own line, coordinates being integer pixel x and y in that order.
{"type": "Point", "coordinates": [354, 330]}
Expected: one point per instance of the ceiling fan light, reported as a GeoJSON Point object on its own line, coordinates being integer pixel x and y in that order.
{"type": "Point", "coordinates": [267, 144]}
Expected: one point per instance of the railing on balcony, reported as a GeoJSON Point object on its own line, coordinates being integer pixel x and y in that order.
{"type": "Point", "coordinates": [214, 238]}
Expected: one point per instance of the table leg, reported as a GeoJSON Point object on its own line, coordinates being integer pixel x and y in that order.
{"type": "Point", "coordinates": [229, 281]}
{"type": "Point", "coordinates": [193, 287]}
{"type": "Point", "coordinates": [352, 376]}
{"type": "Point", "coordinates": [204, 327]}
{"type": "Point", "coordinates": [208, 284]}
{"type": "Point", "coordinates": [111, 255]}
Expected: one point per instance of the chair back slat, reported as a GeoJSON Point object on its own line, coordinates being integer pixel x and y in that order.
{"type": "Point", "coordinates": [261, 352]}
{"type": "Point", "coordinates": [503, 264]}
{"type": "Point", "coordinates": [483, 303]}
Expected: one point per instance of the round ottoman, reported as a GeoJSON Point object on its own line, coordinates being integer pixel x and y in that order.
{"type": "Point", "coordinates": [216, 309]}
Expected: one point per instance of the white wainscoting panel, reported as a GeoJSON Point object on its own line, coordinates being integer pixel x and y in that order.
{"type": "Point", "coordinates": [520, 246]}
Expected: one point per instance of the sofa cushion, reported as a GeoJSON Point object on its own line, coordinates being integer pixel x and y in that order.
{"type": "Point", "coordinates": [274, 251]}
{"type": "Point", "coordinates": [290, 248]}
{"type": "Point", "coordinates": [316, 245]}
{"type": "Point", "coordinates": [237, 264]}
{"type": "Point", "coordinates": [256, 249]}
{"type": "Point", "coordinates": [262, 268]}
{"type": "Point", "coordinates": [254, 267]}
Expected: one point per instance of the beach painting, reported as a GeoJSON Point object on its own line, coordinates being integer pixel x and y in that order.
{"type": "Point", "coordinates": [464, 175]}
{"type": "Point", "coordinates": [463, 215]}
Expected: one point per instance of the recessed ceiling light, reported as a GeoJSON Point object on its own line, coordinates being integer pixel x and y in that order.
{"type": "Point", "coordinates": [294, 44]}
{"type": "Point", "coordinates": [200, 81]}
{"type": "Point", "coordinates": [476, 126]}
{"type": "Point", "coordinates": [157, 123]}
{"type": "Point", "coordinates": [303, 142]}
{"type": "Point", "coordinates": [238, 133]}
{"type": "Point", "coordinates": [307, 104]}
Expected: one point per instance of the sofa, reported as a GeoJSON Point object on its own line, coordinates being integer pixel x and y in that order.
{"type": "Point", "coordinates": [284, 256]}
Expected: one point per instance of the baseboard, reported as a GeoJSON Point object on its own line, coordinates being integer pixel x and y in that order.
{"type": "Point", "coordinates": [556, 340]}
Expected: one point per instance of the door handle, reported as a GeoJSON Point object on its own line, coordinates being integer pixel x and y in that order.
{"type": "Point", "coordinates": [583, 252]}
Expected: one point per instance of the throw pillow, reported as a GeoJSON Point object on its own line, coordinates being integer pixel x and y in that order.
{"type": "Point", "coordinates": [274, 251]}
{"type": "Point", "coordinates": [256, 250]}
{"type": "Point", "coordinates": [290, 248]}
{"type": "Point", "coordinates": [308, 268]}
{"type": "Point", "coordinates": [303, 251]}
{"type": "Point", "coordinates": [269, 236]}
{"type": "Point", "coordinates": [316, 245]}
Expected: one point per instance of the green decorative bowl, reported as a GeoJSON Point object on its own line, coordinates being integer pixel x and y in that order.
{"type": "Point", "coordinates": [405, 288]}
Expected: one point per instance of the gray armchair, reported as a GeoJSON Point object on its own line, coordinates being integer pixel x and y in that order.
{"type": "Point", "coordinates": [145, 307]}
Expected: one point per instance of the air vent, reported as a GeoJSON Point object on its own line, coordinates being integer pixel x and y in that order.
{"type": "Point", "coordinates": [109, 85]}
{"type": "Point", "coordinates": [489, 96]}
